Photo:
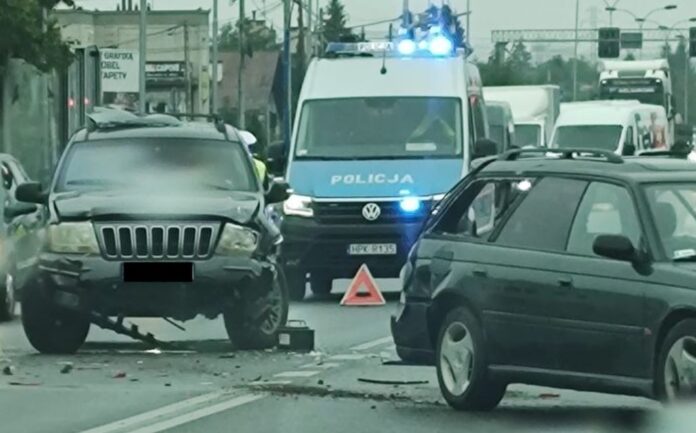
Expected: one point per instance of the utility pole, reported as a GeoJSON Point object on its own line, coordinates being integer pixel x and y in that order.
{"type": "Point", "coordinates": [301, 51]}
{"type": "Point", "coordinates": [575, 51]}
{"type": "Point", "coordinates": [240, 75]}
{"type": "Point", "coordinates": [310, 26]}
{"type": "Point", "coordinates": [214, 72]}
{"type": "Point", "coordinates": [187, 70]}
{"type": "Point", "coordinates": [142, 47]}
{"type": "Point", "coordinates": [468, 21]}
{"type": "Point", "coordinates": [287, 68]}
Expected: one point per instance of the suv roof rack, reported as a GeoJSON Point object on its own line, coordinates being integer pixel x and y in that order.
{"type": "Point", "coordinates": [609, 156]}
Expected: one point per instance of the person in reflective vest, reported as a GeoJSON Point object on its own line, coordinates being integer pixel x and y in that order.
{"type": "Point", "coordinates": [261, 171]}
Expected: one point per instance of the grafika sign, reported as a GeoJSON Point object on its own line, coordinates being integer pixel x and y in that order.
{"type": "Point", "coordinates": [119, 70]}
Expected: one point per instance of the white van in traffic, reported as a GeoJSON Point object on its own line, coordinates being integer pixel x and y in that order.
{"type": "Point", "coordinates": [625, 127]}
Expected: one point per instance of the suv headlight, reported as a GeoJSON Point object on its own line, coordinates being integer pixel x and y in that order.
{"type": "Point", "coordinates": [237, 240]}
{"type": "Point", "coordinates": [298, 205]}
{"type": "Point", "coordinates": [76, 238]}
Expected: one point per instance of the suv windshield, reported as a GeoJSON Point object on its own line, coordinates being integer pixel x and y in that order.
{"type": "Point", "coordinates": [380, 128]}
{"type": "Point", "coordinates": [527, 135]}
{"type": "Point", "coordinates": [604, 137]}
{"type": "Point", "coordinates": [162, 164]}
{"type": "Point", "coordinates": [674, 210]}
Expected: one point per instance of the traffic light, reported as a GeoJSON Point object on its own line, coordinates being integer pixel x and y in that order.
{"type": "Point", "coordinates": [609, 46]}
{"type": "Point", "coordinates": [692, 42]}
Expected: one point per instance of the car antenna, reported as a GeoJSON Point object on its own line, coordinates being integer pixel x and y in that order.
{"type": "Point", "coordinates": [383, 71]}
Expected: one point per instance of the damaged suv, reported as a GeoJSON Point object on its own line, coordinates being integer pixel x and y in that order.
{"type": "Point", "coordinates": [149, 216]}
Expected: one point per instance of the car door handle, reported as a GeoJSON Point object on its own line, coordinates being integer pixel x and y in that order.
{"type": "Point", "coordinates": [565, 282]}
{"type": "Point", "coordinates": [479, 272]}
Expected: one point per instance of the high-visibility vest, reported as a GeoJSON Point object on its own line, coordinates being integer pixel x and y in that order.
{"type": "Point", "coordinates": [260, 169]}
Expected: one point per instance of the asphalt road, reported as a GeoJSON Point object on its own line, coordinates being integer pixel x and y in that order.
{"type": "Point", "coordinates": [114, 385]}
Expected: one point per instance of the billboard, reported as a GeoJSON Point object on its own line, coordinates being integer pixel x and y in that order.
{"type": "Point", "coordinates": [119, 71]}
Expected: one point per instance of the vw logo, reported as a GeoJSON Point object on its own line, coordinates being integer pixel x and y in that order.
{"type": "Point", "coordinates": [371, 211]}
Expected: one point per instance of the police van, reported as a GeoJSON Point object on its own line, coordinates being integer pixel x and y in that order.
{"type": "Point", "coordinates": [382, 131]}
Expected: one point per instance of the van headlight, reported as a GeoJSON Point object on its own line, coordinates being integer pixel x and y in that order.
{"type": "Point", "coordinates": [75, 238]}
{"type": "Point", "coordinates": [438, 197]}
{"type": "Point", "coordinates": [298, 205]}
{"type": "Point", "coordinates": [237, 240]}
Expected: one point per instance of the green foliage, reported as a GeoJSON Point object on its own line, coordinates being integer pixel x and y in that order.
{"type": "Point", "coordinates": [335, 24]}
{"type": "Point", "coordinates": [25, 35]}
{"type": "Point", "coordinates": [258, 37]}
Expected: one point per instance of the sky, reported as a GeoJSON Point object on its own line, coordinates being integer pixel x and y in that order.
{"type": "Point", "coordinates": [486, 15]}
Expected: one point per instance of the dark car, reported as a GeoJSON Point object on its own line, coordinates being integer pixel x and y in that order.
{"type": "Point", "coordinates": [18, 219]}
{"type": "Point", "coordinates": [576, 270]}
{"type": "Point", "coordinates": [152, 217]}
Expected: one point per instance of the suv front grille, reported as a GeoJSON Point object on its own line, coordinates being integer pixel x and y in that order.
{"type": "Point", "coordinates": [157, 241]}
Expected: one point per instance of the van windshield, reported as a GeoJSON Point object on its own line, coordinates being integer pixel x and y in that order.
{"type": "Point", "coordinates": [604, 137]}
{"type": "Point", "coordinates": [527, 135]}
{"type": "Point", "coordinates": [380, 128]}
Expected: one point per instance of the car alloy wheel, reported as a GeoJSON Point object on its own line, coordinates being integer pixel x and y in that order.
{"type": "Point", "coordinates": [680, 369]}
{"type": "Point", "coordinates": [274, 312]}
{"type": "Point", "coordinates": [457, 358]}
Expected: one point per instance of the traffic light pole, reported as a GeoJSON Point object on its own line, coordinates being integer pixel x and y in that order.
{"type": "Point", "coordinates": [575, 51]}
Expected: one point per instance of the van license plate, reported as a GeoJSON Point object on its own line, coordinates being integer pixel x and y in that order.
{"type": "Point", "coordinates": [372, 249]}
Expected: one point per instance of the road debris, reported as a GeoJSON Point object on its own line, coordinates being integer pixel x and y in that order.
{"type": "Point", "coordinates": [66, 368]}
{"type": "Point", "coordinates": [547, 395]}
{"type": "Point", "coordinates": [25, 383]}
{"type": "Point", "coordinates": [320, 382]}
{"type": "Point", "coordinates": [167, 384]}
{"type": "Point", "coordinates": [8, 370]}
{"type": "Point", "coordinates": [119, 375]}
{"type": "Point", "coordinates": [393, 382]}
{"type": "Point", "coordinates": [228, 356]}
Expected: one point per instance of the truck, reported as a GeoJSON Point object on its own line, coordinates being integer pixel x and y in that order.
{"type": "Point", "coordinates": [648, 81]}
{"type": "Point", "coordinates": [534, 110]}
{"type": "Point", "coordinates": [382, 131]}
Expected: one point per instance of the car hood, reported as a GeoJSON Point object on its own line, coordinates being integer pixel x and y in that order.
{"type": "Point", "coordinates": [235, 206]}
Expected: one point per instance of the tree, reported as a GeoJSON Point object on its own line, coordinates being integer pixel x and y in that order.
{"type": "Point", "coordinates": [335, 24]}
{"type": "Point", "coordinates": [258, 37]}
{"type": "Point", "coordinates": [630, 56]}
{"type": "Point", "coordinates": [26, 35]}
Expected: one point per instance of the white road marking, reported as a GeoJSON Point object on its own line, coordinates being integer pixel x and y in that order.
{"type": "Point", "coordinates": [147, 416]}
{"type": "Point", "coordinates": [349, 357]}
{"type": "Point", "coordinates": [371, 344]}
{"type": "Point", "coordinates": [198, 414]}
{"type": "Point", "coordinates": [297, 374]}
{"type": "Point", "coordinates": [324, 366]}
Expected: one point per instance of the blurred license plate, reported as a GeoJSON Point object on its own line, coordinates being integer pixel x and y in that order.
{"type": "Point", "coordinates": [372, 249]}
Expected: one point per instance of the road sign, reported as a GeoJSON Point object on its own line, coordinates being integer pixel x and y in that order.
{"type": "Point", "coordinates": [363, 280]}
{"type": "Point", "coordinates": [632, 40]}
{"type": "Point", "coordinates": [609, 43]}
{"type": "Point", "coordinates": [119, 71]}
{"type": "Point", "coordinates": [692, 42]}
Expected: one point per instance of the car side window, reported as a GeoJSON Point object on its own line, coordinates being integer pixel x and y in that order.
{"type": "Point", "coordinates": [8, 180]}
{"type": "Point", "coordinates": [605, 209]}
{"type": "Point", "coordinates": [481, 207]}
{"type": "Point", "coordinates": [543, 219]}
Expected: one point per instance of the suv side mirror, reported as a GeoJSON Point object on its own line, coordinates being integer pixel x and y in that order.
{"type": "Point", "coordinates": [278, 192]}
{"type": "Point", "coordinates": [31, 192]}
{"type": "Point", "coordinates": [484, 147]}
{"type": "Point", "coordinates": [617, 247]}
{"type": "Point", "coordinates": [14, 210]}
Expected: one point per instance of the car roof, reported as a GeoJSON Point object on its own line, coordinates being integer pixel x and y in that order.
{"type": "Point", "coordinates": [185, 130]}
{"type": "Point", "coordinates": [639, 169]}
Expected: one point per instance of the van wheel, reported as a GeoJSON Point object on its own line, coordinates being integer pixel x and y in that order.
{"type": "Point", "coordinates": [246, 332]}
{"type": "Point", "coordinates": [320, 283]}
{"type": "Point", "coordinates": [297, 284]}
{"type": "Point", "coordinates": [462, 369]}
{"type": "Point", "coordinates": [676, 369]}
{"type": "Point", "coordinates": [49, 328]}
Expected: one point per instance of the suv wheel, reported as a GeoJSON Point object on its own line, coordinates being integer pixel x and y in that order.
{"type": "Point", "coordinates": [297, 284]}
{"type": "Point", "coordinates": [676, 369]}
{"type": "Point", "coordinates": [49, 328]}
{"type": "Point", "coordinates": [261, 333]}
{"type": "Point", "coordinates": [320, 283]}
{"type": "Point", "coordinates": [8, 300]}
{"type": "Point", "coordinates": [462, 370]}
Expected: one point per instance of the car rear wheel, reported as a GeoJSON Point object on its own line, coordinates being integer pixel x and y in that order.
{"type": "Point", "coordinates": [49, 328]}
{"type": "Point", "coordinates": [462, 369]}
{"type": "Point", "coordinates": [258, 326]}
{"type": "Point", "coordinates": [676, 373]}
{"type": "Point", "coordinates": [297, 284]}
{"type": "Point", "coordinates": [8, 301]}
{"type": "Point", "coordinates": [320, 283]}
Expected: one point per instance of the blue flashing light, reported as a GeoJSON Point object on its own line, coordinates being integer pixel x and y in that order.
{"type": "Point", "coordinates": [406, 47]}
{"type": "Point", "coordinates": [441, 46]}
{"type": "Point", "coordinates": [423, 45]}
{"type": "Point", "coordinates": [410, 204]}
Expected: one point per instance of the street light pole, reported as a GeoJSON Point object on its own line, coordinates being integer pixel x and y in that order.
{"type": "Point", "coordinates": [142, 47]}
{"type": "Point", "coordinates": [575, 51]}
{"type": "Point", "coordinates": [214, 72]}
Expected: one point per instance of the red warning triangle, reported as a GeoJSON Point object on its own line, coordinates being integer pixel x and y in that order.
{"type": "Point", "coordinates": [363, 279]}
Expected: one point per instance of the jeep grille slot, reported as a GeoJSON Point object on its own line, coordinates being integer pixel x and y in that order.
{"type": "Point", "coordinates": [163, 241]}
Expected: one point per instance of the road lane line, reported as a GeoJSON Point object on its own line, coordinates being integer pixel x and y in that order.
{"type": "Point", "coordinates": [297, 374]}
{"type": "Point", "coordinates": [147, 416]}
{"type": "Point", "coordinates": [371, 344]}
{"type": "Point", "coordinates": [198, 414]}
{"type": "Point", "coordinates": [349, 357]}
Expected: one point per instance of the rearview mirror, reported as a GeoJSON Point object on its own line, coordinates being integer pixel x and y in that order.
{"type": "Point", "coordinates": [16, 209]}
{"type": "Point", "coordinates": [278, 192]}
{"type": "Point", "coordinates": [31, 192]}
{"type": "Point", "coordinates": [617, 247]}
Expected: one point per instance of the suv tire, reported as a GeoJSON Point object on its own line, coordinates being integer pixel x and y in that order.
{"type": "Point", "coordinates": [320, 284]}
{"type": "Point", "coordinates": [673, 369]}
{"type": "Point", "coordinates": [246, 335]}
{"type": "Point", "coordinates": [49, 328]}
{"type": "Point", "coordinates": [297, 284]}
{"type": "Point", "coordinates": [8, 300]}
{"type": "Point", "coordinates": [462, 369]}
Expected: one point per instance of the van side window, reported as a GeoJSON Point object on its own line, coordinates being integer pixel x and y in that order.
{"type": "Point", "coordinates": [477, 118]}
